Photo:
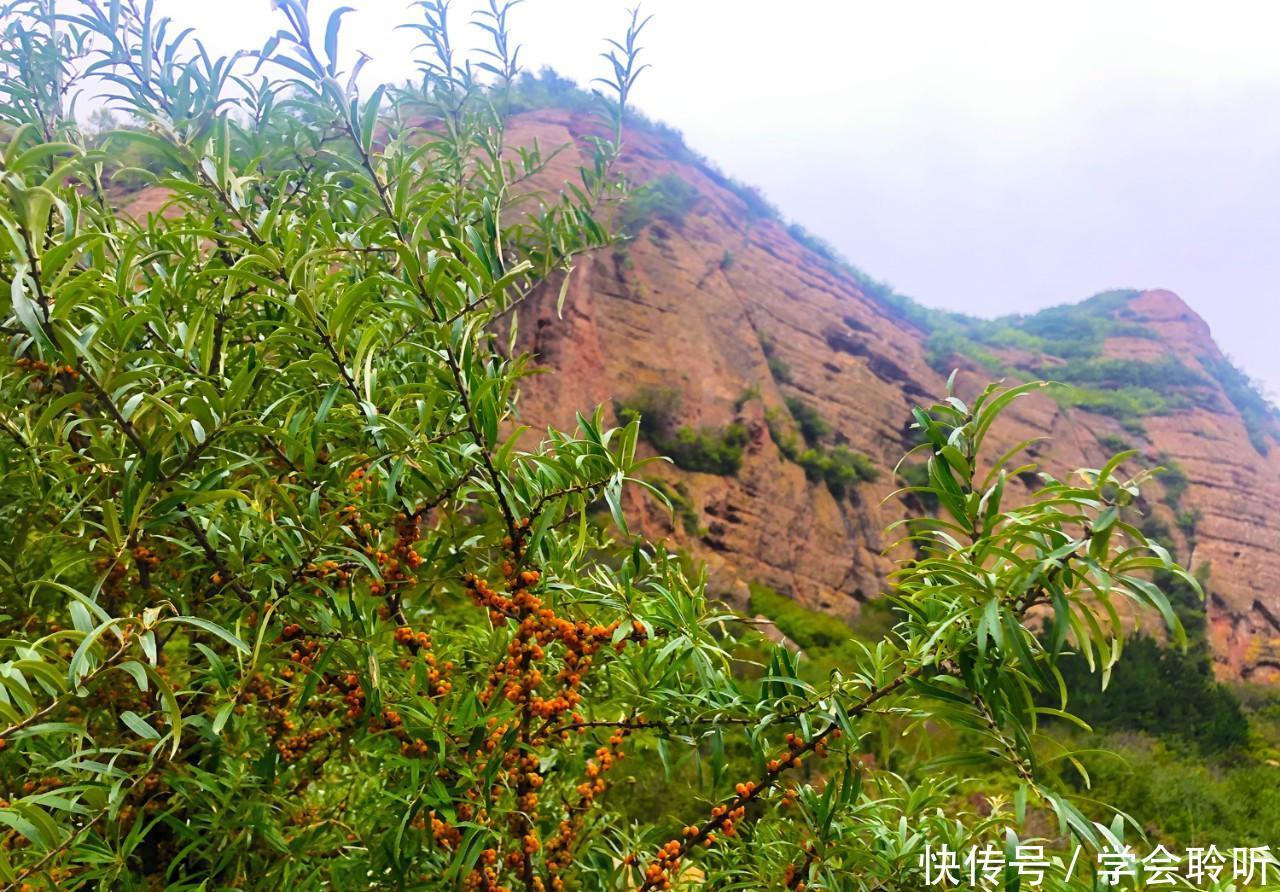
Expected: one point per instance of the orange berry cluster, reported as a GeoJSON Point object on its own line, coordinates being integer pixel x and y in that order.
{"type": "Point", "coordinates": [147, 559]}
{"type": "Point", "coordinates": [486, 875]}
{"type": "Point", "coordinates": [327, 570]}
{"type": "Point", "coordinates": [793, 877]}
{"type": "Point", "coordinates": [515, 676]}
{"type": "Point", "coordinates": [518, 679]}
{"type": "Point", "coordinates": [305, 650]}
{"type": "Point", "coordinates": [333, 693]}
{"type": "Point", "coordinates": [39, 365]}
{"type": "Point", "coordinates": [417, 643]}
{"type": "Point", "coordinates": [559, 850]}
{"type": "Point", "coordinates": [397, 565]}
{"type": "Point", "coordinates": [725, 817]}
{"type": "Point", "coordinates": [437, 672]}
{"type": "Point", "coordinates": [357, 479]}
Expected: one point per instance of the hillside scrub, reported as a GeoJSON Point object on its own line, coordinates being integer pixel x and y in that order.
{"type": "Point", "coordinates": [288, 601]}
{"type": "Point", "coordinates": [839, 467]}
{"type": "Point", "coordinates": [668, 198]}
{"type": "Point", "coordinates": [711, 450]}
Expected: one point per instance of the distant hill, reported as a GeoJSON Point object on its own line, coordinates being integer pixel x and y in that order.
{"type": "Point", "coordinates": [781, 379]}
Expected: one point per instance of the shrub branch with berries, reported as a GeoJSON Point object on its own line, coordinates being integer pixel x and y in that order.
{"type": "Point", "coordinates": [288, 599]}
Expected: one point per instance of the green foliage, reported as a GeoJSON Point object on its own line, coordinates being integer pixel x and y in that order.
{"type": "Point", "coordinates": [1191, 801]}
{"type": "Point", "coordinates": [289, 601]}
{"type": "Point", "coordinates": [778, 368]}
{"type": "Point", "coordinates": [1117, 374]}
{"type": "Point", "coordinates": [1076, 330]}
{"type": "Point", "coordinates": [1261, 418]}
{"type": "Point", "coordinates": [828, 643]}
{"type": "Point", "coordinates": [1128, 405]}
{"type": "Point", "coordinates": [1066, 346]}
{"type": "Point", "coordinates": [1113, 443]}
{"type": "Point", "coordinates": [710, 450]}
{"type": "Point", "coordinates": [1161, 691]}
{"type": "Point", "coordinates": [916, 477]}
{"type": "Point", "coordinates": [810, 629]}
{"type": "Point", "coordinates": [1167, 692]}
{"type": "Point", "coordinates": [667, 199]}
{"type": "Point", "coordinates": [947, 342]}
{"type": "Point", "coordinates": [1174, 480]}
{"type": "Point", "coordinates": [1187, 520]}
{"type": "Point", "coordinates": [839, 467]}
{"type": "Point", "coordinates": [813, 427]}
{"type": "Point", "coordinates": [748, 395]}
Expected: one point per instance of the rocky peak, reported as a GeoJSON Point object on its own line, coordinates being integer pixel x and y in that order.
{"type": "Point", "coordinates": [1179, 326]}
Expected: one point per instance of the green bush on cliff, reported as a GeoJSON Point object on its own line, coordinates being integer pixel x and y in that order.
{"type": "Point", "coordinates": [712, 450]}
{"type": "Point", "coordinates": [666, 199]}
{"type": "Point", "coordinates": [813, 427]}
{"type": "Point", "coordinates": [1261, 418]}
{"type": "Point", "coordinates": [839, 467]}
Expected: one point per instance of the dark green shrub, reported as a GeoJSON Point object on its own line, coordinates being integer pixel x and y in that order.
{"type": "Point", "coordinates": [707, 449]}
{"type": "Point", "coordinates": [681, 504]}
{"type": "Point", "coordinates": [710, 450]}
{"type": "Point", "coordinates": [780, 370]}
{"type": "Point", "coordinates": [840, 468]}
{"type": "Point", "coordinates": [1174, 480]}
{"type": "Point", "coordinates": [1261, 418]}
{"type": "Point", "coordinates": [668, 199]}
{"type": "Point", "coordinates": [1187, 520]}
{"type": "Point", "coordinates": [813, 427]}
{"type": "Point", "coordinates": [1113, 443]}
{"type": "Point", "coordinates": [1185, 798]}
{"type": "Point", "coordinates": [917, 475]}
{"type": "Point", "coordinates": [1162, 691]}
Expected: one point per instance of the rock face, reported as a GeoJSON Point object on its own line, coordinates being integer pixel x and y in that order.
{"type": "Point", "coordinates": [735, 315]}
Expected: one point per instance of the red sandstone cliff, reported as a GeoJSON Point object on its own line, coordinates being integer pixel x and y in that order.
{"type": "Point", "coordinates": [690, 305]}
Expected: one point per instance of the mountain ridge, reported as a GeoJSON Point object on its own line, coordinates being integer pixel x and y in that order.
{"type": "Point", "coordinates": [742, 323]}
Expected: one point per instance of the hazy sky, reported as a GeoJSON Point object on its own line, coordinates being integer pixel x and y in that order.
{"type": "Point", "coordinates": [990, 157]}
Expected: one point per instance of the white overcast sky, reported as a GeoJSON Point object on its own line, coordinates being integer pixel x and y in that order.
{"type": "Point", "coordinates": [990, 157]}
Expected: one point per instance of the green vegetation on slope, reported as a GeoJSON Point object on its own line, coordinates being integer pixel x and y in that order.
{"type": "Point", "coordinates": [839, 467]}
{"type": "Point", "coordinates": [666, 199]}
{"type": "Point", "coordinates": [1261, 418]}
{"type": "Point", "coordinates": [712, 450]}
{"type": "Point", "coordinates": [827, 641]}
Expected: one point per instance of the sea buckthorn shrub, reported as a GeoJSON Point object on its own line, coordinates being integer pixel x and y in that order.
{"type": "Point", "coordinates": [289, 600]}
